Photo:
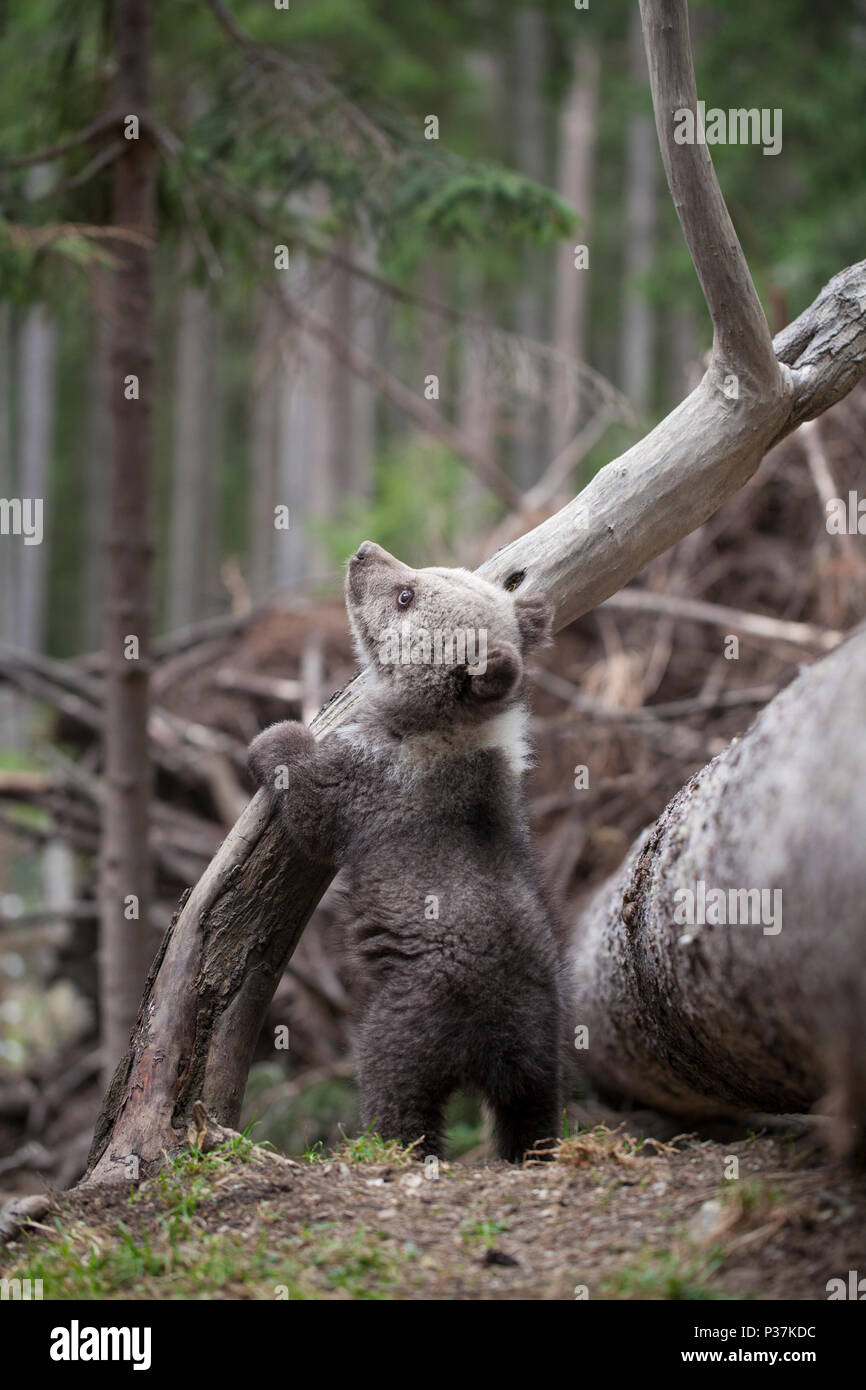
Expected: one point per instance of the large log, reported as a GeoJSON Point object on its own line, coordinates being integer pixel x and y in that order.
{"type": "Point", "coordinates": [712, 1017]}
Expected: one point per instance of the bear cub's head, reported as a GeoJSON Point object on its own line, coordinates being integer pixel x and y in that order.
{"type": "Point", "coordinates": [442, 645]}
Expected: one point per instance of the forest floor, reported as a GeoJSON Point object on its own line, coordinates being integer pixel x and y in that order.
{"type": "Point", "coordinates": [611, 1217]}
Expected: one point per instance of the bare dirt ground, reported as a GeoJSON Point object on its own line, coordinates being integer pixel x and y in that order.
{"type": "Point", "coordinates": [610, 1219]}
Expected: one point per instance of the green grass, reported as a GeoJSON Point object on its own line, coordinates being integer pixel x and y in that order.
{"type": "Point", "coordinates": [177, 1261]}
{"type": "Point", "coordinates": [166, 1247]}
{"type": "Point", "coordinates": [362, 1265]}
{"type": "Point", "coordinates": [483, 1233]}
{"type": "Point", "coordinates": [370, 1147]}
{"type": "Point", "coordinates": [665, 1274]}
{"type": "Point", "coordinates": [171, 1261]}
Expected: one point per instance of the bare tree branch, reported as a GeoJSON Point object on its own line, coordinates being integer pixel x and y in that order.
{"type": "Point", "coordinates": [759, 625]}
{"type": "Point", "coordinates": [741, 336]}
{"type": "Point", "coordinates": [826, 346]}
{"type": "Point", "coordinates": [598, 712]}
{"type": "Point", "coordinates": [29, 238]}
{"type": "Point", "coordinates": [100, 161]}
{"type": "Point", "coordinates": [50, 152]}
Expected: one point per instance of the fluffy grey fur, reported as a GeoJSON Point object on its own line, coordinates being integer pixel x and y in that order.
{"type": "Point", "coordinates": [419, 800]}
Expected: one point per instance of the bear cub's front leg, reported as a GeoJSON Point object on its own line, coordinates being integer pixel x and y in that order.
{"type": "Point", "coordinates": [285, 760]}
{"type": "Point", "coordinates": [274, 754]}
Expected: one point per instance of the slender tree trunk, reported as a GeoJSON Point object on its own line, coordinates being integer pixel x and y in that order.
{"type": "Point", "coordinates": [215, 432]}
{"type": "Point", "coordinates": [37, 386]}
{"type": "Point", "coordinates": [340, 296]}
{"type": "Point", "coordinates": [263, 446]}
{"type": "Point", "coordinates": [641, 182]}
{"type": "Point", "coordinates": [193, 396]}
{"type": "Point", "coordinates": [293, 558]}
{"type": "Point", "coordinates": [58, 879]}
{"type": "Point", "coordinates": [8, 574]}
{"type": "Point", "coordinates": [97, 462]}
{"type": "Point", "coordinates": [530, 153]}
{"type": "Point", "coordinates": [574, 182]}
{"type": "Point", "coordinates": [307, 445]}
{"type": "Point", "coordinates": [125, 885]}
{"type": "Point", "coordinates": [317, 382]}
{"type": "Point", "coordinates": [361, 444]}
{"type": "Point", "coordinates": [432, 357]}
{"type": "Point", "coordinates": [476, 420]}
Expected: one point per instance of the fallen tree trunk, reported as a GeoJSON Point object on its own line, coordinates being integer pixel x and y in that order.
{"type": "Point", "coordinates": [223, 957]}
{"type": "Point", "coordinates": [708, 1017]}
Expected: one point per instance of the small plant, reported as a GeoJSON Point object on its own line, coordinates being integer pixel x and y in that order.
{"type": "Point", "coordinates": [484, 1232]}
{"type": "Point", "coordinates": [370, 1147]}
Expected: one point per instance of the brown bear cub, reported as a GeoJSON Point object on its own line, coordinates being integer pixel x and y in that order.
{"type": "Point", "coordinates": [418, 799]}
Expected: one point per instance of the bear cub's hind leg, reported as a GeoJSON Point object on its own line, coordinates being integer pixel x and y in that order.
{"type": "Point", "coordinates": [526, 1113]}
{"type": "Point", "coordinates": [402, 1085]}
{"type": "Point", "coordinates": [416, 1116]}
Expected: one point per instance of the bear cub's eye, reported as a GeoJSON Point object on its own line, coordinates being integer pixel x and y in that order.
{"type": "Point", "coordinates": [405, 597]}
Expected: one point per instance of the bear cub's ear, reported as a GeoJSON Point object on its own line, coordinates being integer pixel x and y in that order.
{"type": "Point", "coordinates": [535, 620]}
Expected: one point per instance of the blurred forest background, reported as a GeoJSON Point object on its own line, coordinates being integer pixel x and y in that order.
{"type": "Point", "coordinates": [364, 331]}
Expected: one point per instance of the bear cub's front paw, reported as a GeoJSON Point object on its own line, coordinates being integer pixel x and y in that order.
{"type": "Point", "coordinates": [501, 675]}
{"type": "Point", "coordinates": [274, 751]}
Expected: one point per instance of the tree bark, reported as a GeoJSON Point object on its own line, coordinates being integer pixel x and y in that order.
{"type": "Point", "coordinates": [125, 867]}
{"type": "Point", "coordinates": [224, 954]}
{"type": "Point", "coordinates": [705, 1018]}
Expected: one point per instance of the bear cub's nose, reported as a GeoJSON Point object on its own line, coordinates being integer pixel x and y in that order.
{"type": "Point", "coordinates": [369, 553]}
